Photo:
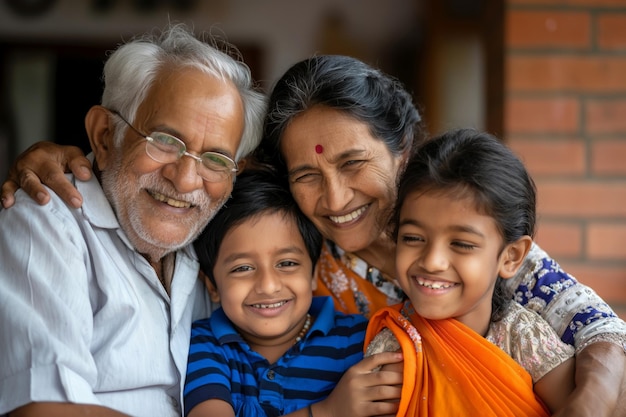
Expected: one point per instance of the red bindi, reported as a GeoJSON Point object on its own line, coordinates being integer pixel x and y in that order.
{"type": "Point", "coordinates": [319, 148]}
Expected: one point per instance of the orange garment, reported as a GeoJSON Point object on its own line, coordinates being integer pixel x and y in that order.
{"type": "Point", "coordinates": [351, 293]}
{"type": "Point", "coordinates": [450, 370]}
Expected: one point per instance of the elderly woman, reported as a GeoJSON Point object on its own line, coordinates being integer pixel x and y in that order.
{"type": "Point", "coordinates": [341, 132]}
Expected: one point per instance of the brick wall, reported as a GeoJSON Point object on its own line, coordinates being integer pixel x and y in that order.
{"type": "Point", "coordinates": [565, 114]}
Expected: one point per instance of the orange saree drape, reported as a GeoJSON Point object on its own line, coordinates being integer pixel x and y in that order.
{"type": "Point", "coordinates": [351, 293]}
{"type": "Point", "coordinates": [450, 370]}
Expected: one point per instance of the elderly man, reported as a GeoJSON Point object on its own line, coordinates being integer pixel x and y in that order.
{"type": "Point", "coordinates": [96, 303]}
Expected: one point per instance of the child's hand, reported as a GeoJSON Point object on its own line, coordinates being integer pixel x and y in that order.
{"type": "Point", "coordinates": [362, 391]}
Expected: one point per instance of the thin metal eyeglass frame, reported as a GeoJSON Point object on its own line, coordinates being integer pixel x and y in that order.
{"type": "Point", "coordinates": [184, 150]}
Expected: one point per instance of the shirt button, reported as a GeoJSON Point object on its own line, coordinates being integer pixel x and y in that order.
{"type": "Point", "coordinates": [270, 375]}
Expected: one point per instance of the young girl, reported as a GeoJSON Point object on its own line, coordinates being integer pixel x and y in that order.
{"type": "Point", "coordinates": [272, 348]}
{"type": "Point", "coordinates": [464, 221]}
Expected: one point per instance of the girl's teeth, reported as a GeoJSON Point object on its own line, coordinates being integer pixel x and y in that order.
{"type": "Point", "coordinates": [434, 285]}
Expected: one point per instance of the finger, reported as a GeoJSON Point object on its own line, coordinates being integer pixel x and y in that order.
{"type": "Point", "coordinates": [22, 173]}
{"type": "Point", "coordinates": [385, 377]}
{"type": "Point", "coordinates": [31, 184]}
{"type": "Point", "coordinates": [63, 188]}
{"type": "Point", "coordinates": [78, 164]}
{"type": "Point", "coordinates": [395, 367]}
{"type": "Point", "coordinates": [8, 193]}
{"type": "Point", "coordinates": [380, 359]}
{"type": "Point", "coordinates": [382, 408]}
{"type": "Point", "coordinates": [388, 393]}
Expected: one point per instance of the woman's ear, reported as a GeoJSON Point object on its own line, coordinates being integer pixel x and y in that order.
{"type": "Point", "coordinates": [513, 255]}
{"type": "Point", "coordinates": [404, 160]}
{"type": "Point", "coordinates": [212, 289]}
{"type": "Point", "coordinates": [100, 130]}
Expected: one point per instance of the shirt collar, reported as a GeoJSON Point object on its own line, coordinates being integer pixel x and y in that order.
{"type": "Point", "coordinates": [96, 207]}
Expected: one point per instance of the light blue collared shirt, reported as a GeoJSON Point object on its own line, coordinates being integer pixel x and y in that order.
{"type": "Point", "coordinates": [83, 316]}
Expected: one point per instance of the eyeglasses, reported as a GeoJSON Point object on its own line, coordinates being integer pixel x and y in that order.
{"type": "Point", "coordinates": [167, 149]}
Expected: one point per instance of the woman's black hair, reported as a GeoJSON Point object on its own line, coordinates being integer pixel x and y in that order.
{"type": "Point", "coordinates": [350, 86]}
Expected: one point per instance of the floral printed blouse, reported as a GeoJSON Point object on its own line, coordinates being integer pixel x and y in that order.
{"type": "Point", "coordinates": [577, 314]}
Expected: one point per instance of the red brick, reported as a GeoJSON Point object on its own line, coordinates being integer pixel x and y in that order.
{"type": "Point", "coordinates": [606, 116]}
{"type": "Point", "coordinates": [552, 28]}
{"type": "Point", "coordinates": [606, 241]}
{"type": "Point", "coordinates": [612, 31]}
{"type": "Point", "coordinates": [578, 199]}
{"type": "Point", "coordinates": [560, 239]}
{"type": "Point", "coordinates": [608, 281]}
{"type": "Point", "coordinates": [600, 74]}
{"type": "Point", "coordinates": [550, 115]}
{"type": "Point", "coordinates": [608, 157]}
{"type": "Point", "coordinates": [551, 157]}
{"type": "Point", "coordinates": [575, 208]}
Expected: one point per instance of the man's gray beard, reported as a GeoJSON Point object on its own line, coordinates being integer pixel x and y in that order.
{"type": "Point", "coordinates": [117, 190]}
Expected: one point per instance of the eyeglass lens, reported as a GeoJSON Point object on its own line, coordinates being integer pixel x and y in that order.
{"type": "Point", "coordinates": [167, 149]}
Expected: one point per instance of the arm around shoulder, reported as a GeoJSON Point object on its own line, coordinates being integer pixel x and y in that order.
{"type": "Point", "coordinates": [45, 163]}
{"type": "Point", "coordinates": [600, 384]}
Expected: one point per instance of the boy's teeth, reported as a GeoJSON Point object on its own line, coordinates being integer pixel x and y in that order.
{"type": "Point", "coordinates": [275, 305]}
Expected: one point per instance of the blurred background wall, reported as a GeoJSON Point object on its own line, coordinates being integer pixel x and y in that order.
{"type": "Point", "coordinates": [547, 76]}
{"type": "Point", "coordinates": [53, 50]}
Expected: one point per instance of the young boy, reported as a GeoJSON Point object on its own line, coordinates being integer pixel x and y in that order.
{"type": "Point", "coordinates": [271, 348]}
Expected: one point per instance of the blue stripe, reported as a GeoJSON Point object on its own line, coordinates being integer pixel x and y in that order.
{"type": "Point", "coordinates": [305, 374]}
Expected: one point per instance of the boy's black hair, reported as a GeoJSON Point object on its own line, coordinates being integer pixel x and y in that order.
{"type": "Point", "coordinates": [256, 192]}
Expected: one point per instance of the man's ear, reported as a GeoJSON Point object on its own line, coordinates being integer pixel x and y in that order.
{"type": "Point", "coordinates": [241, 165]}
{"type": "Point", "coordinates": [213, 293]}
{"type": "Point", "coordinates": [100, 130]}
{"type": "Point", "coordinates": [513, 255]}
